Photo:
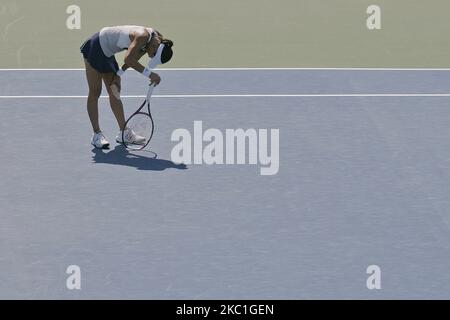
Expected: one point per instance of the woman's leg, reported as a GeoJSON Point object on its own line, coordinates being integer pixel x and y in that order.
{"type": "Point", "coordinates": [94, 79]}
{"type": "Point", "coordinates": [114, 97]}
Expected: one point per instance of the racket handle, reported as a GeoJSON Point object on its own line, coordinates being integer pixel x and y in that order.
{"type": "Point", "coordinates": [150, 92]}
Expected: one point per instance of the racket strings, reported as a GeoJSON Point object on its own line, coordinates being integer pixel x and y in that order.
{"type": "Point", "coordinates": [139, 131]}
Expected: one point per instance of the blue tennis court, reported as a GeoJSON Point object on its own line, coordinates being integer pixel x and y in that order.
{"type": "Point", "coordinates": [363, 179]}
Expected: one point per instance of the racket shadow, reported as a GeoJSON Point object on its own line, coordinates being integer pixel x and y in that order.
{"type": "Point", "coordinates": [141, 160]}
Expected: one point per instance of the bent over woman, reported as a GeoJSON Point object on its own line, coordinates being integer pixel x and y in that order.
{"type": "Point", "coordinates": [101, 65]}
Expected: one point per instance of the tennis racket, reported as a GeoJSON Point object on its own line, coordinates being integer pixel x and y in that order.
{"type": "Point", "coordinates": [139, 126]}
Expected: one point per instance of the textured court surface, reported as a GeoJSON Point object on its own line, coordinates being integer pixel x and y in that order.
{"type": "Point", "coordinates": [362, 180]}
{"type": "Point", "coordinates": [236, 33]}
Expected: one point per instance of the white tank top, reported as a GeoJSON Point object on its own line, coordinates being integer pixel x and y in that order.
{"type": "Point", "coordinates": [116, 39]}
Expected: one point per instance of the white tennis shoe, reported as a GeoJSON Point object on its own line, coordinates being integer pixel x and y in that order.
{"type": "Point", "coordinates": [99, 141]}
{"type": "Point", "coordinates": [130, 137]}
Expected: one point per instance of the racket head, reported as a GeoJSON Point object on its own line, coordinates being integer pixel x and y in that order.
{"type": "Point", "coordinates": [142, 125]}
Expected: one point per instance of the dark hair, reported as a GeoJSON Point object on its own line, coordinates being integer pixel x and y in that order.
{"type": "Point", "coordinates": [167, 52]}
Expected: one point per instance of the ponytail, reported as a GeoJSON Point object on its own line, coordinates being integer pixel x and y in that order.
{"type": "Point", "coordinates": [167, 42]}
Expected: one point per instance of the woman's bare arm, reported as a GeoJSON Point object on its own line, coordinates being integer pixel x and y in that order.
{"type": "Point", "coordinates": [134, 52]}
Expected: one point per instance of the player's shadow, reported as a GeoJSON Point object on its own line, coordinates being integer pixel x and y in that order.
{"type": "Point", "coordinates": [141, 160]}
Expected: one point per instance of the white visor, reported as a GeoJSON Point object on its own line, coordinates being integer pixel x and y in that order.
{"type": "Point", "coordinates": [156, 60]}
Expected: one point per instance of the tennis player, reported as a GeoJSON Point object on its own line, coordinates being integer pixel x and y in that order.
{"type": "Point", "coordinates": [98, 52]}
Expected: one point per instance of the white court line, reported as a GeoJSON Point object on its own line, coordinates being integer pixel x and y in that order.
{"type": "Point", "coordinates": [256, 69]}
{"type": "Point", "coordinates": [344, 95]}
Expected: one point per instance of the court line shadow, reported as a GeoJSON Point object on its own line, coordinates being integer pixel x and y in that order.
{"type": "Point", "coordinates": [121, 156]}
